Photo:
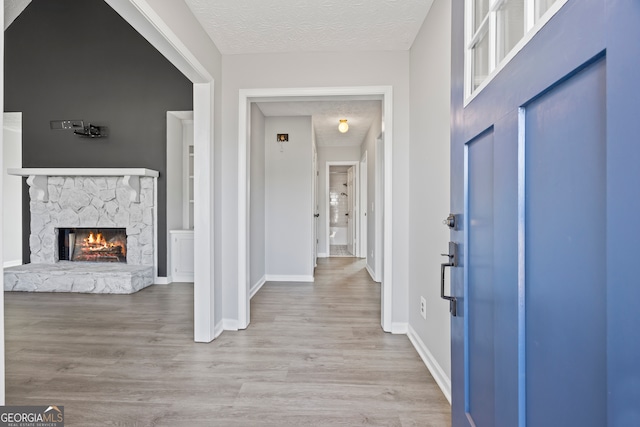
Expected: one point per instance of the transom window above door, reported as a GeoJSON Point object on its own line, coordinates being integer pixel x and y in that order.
{"type": "Point", "coordinates": [495, 30]}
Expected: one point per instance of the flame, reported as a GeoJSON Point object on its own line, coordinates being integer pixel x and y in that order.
{"type": "Point", "coordinates": [97, 241]}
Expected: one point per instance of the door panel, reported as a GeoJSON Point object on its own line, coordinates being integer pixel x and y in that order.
{"type": "Point", "coordinates": [490, 309]}
{"type": "Point", "coordinates": [565, 155]}
{"type": "Point", "coordinates": [545, 178]}
{"type": "Point", "coordinates": [480, 373]}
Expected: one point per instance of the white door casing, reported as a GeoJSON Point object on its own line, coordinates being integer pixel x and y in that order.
{"type": "Point", "coordinates": [353, 164]}
{"type": "Point", "coordinates": [245, 97]}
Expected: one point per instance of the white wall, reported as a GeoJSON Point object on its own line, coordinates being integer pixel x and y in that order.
{"type": "Point", "coordinates": [297, 70]}
{"type": "Point", "coordinates": [369, 146]}
{"type": "Point", "coordinates": [288, 199]}
{"type": "Point", "coordinates": [429, 188]}
{"type": "Point", "coordinates": [329, 154]}
{"type": "Point", "coordinates": [2, 365]}
{"type": "Point", "coordinates": [257, 198]}
{"type": "Point", "coordinates": [12, 190]}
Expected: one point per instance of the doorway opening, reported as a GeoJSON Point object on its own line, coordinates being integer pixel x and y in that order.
{"type": "Point", "coordinates": [381, 254]}
{"type": "Point", "coordinates": [343, 207]}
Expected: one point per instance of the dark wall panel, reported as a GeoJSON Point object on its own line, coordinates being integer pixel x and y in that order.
{"type": "Point", "coordinates": [78, 59]}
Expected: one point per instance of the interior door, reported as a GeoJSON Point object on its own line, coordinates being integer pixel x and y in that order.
{"type": "Point", "coordinates": [362, 252]}
{"type": "Point", "coordinates": [350, 214]}
{"type": "Point", "coordinates": [544, 167]}
{"type": "Point", "coordinates": [316, 211]}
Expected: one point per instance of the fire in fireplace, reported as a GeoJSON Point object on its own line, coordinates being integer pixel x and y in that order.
{"type": "Point", "coordinates": [93, 244]}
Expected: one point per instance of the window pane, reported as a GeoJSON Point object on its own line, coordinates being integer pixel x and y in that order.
{"type": "Point", "coordinates": [542, 6]}
{"type": "Point", "coordinates": [480, 10]}
{"type": "Point", "coordinates": [480, 61]}
{"type": "Point", "coordinates": [510, 27]}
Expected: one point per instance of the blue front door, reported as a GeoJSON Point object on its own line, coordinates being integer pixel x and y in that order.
{"type": "Point", "coordinates": [546, 185]}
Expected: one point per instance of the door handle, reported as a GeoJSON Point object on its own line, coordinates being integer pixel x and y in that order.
{"type": "Point", "coordinates": [316, 215]}
{"type": "Point", "coordinates": [453, 262]}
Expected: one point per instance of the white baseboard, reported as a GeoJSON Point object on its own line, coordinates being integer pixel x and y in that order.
{"type": "Point", "coordinates": [444, 382]}
{"type": "Point", "coordinates": [322, 255]}
{"type": "Point", "coordinates": [163, 280]}
{"type": "Point", "coordinates": [230, 324]}
{"type": "Point", "coordinates": [256, 286]}
{"type": "Point", "coordinates": [399, 328]}
{"type": "Point", "coordinates": [14, 263]}
{"type": "Point", "coordinates": [187, 278]}
{"type": "Point", "coordinates": [287, 278]}
{"type": "Point", "coordinates": [217, 330]}
{"type": "Point", "coordinates": [372, 274]}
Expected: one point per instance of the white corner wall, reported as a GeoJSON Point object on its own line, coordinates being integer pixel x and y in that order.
{"type": "Point", "coordinates": [2, 365]}
{"type": "Point", "coordinates": [301, 70]}
{"type": "Point", "coordinates": [429, 190]}
{"type": "Point", "coordinates": [329, 154]}
{"type": "Point", "coordinates": [257, 229]}
{"type": "Point", "coordinates": [288, 199]}
{"type": "Point", "coordinates": [12, 190]}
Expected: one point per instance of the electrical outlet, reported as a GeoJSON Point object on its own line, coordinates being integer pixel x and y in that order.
{"type": "Point", "coordinates": [423, 308]}
{"type": "Point", "coordinates": [371, 253]}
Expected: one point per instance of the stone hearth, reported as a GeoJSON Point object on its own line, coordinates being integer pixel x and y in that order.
{"type": "Point", "coordinates": [65, 198]}
{"type": "Point", "coordinates": [67, 276]}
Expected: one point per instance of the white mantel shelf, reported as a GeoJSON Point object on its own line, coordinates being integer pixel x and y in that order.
{"type": "Point", "coordinates": [83, 172]}
{"type": "Point", "coordinates": [38, 177]}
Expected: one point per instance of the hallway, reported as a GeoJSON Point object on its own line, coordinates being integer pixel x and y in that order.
{"type": "Point", "coordinates": [313, 355]}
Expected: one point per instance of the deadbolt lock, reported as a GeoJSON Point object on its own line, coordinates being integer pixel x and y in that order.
{"type": "Point", "coordinates": [450, 221]}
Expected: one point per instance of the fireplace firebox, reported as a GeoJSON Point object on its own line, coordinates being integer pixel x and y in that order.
{"type": "Point", "coordinates": [92, 244]}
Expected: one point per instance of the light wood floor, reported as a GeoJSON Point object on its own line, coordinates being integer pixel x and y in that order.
{"type": "Point", "coordinates": [314, 355]}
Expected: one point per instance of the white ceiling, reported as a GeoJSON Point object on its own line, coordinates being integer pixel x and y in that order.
{"type": "Point", "coordinates": [326, 116]}
{"type": "Point", "coordinates": [277, 26]}
{"type": "Point", "coordinates": [261, 26]}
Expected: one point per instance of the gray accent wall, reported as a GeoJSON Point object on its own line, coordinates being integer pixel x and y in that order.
{"type": "Point", "coordinates": [78, 59]}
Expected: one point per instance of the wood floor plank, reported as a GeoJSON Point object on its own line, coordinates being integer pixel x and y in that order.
{"type": "Point", "coordinates": [313, 355]}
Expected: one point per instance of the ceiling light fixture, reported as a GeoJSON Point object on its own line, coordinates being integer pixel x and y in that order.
{"type": "Point", "coordinates": [343, 126]}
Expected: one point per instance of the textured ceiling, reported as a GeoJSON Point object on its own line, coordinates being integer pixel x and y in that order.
{"type": "Point", "coordinates": [326, 116]}
{"type": "Point", "coordinates": [13, 8]}
{"type": "Point", "coordinates": [261, 26]}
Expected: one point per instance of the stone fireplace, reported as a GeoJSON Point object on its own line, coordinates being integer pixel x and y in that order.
{"type": "Point", "coordinates": [92, 230]}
